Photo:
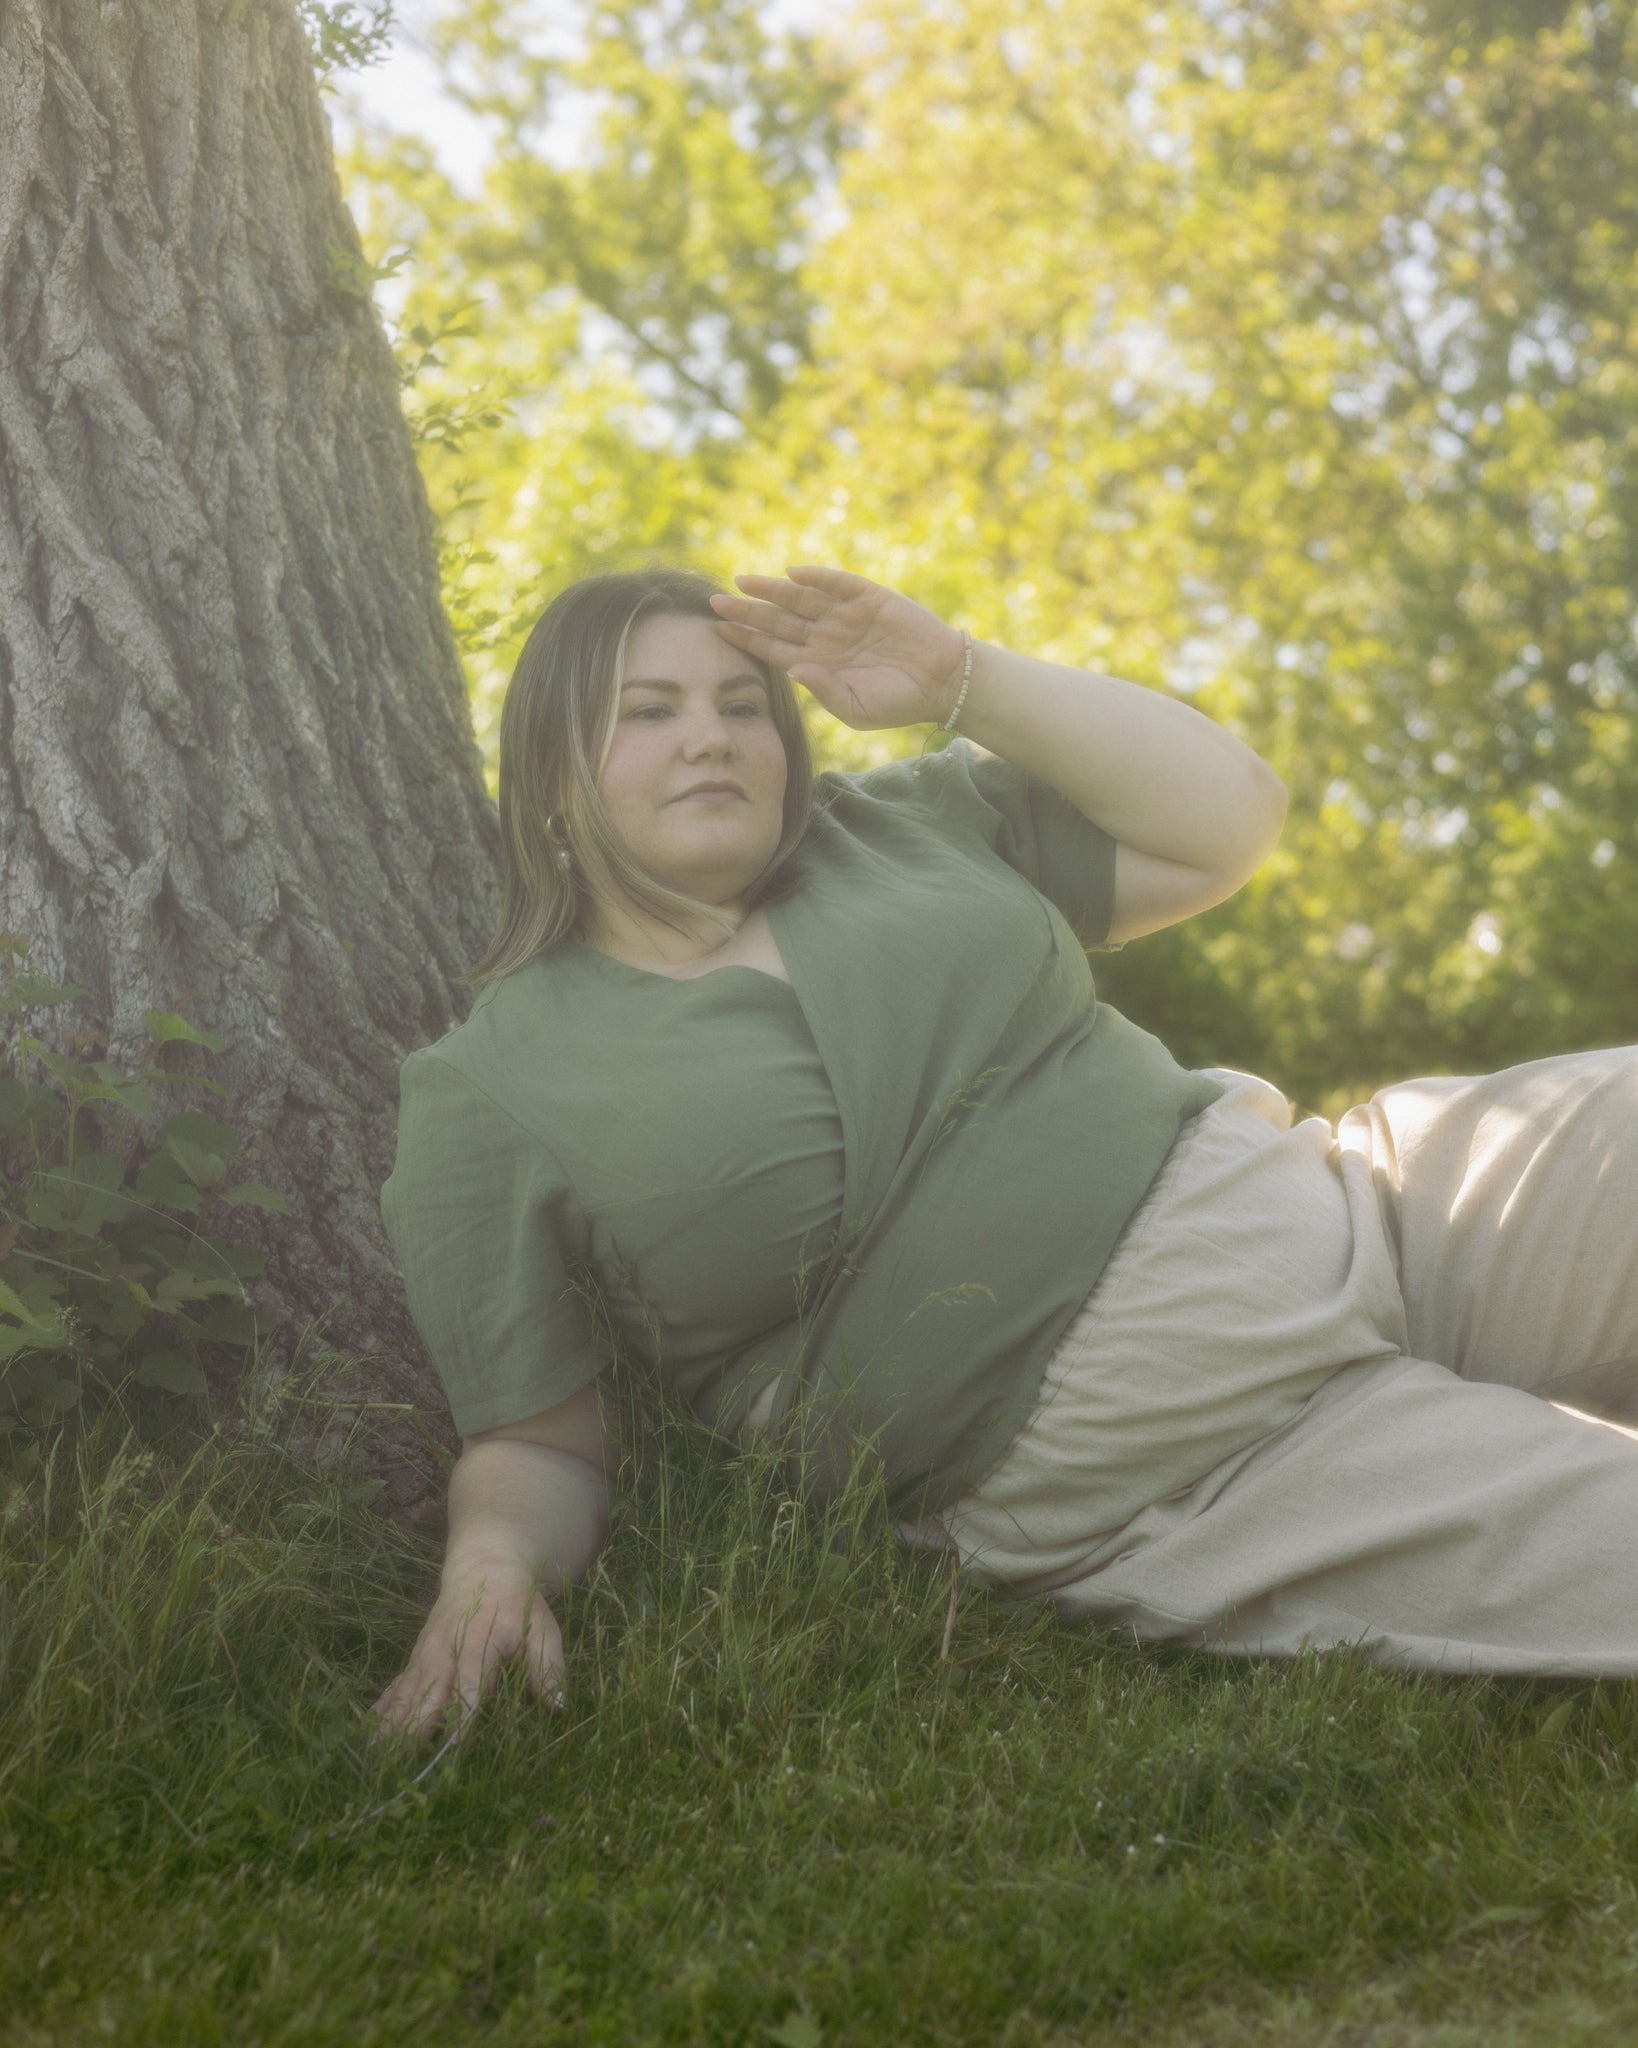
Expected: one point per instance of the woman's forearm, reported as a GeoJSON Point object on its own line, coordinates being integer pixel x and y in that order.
{"type": "Point", "coordinates": [1157, 775]}
{"type": "Point", "coordinates": [524, 1507]}
{"type": "Point", "coordinates": [1192, 810]}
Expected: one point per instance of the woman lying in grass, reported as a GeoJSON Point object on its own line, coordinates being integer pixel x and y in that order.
{"type": "Point", "coordinates": [797, 1092]}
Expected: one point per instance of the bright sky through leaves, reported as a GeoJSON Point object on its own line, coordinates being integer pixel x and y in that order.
{"type": "Point", "coordinates": [406, 92]}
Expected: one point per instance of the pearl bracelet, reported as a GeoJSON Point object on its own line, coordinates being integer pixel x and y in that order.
{"type": "Point", "coordinates": [961, 697]}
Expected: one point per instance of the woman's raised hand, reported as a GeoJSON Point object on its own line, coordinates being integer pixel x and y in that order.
{"type": "Point", "coordinates": [477, 1624]}
{"type": "Point", "coordinates": [871, 656]}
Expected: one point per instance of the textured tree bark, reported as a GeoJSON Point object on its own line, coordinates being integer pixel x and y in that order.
{"type": "Point", "coordinates": [237, 771]}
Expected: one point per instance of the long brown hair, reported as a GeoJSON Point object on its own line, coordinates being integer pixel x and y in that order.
{"type": "Point", "coordinates": [556, 727]}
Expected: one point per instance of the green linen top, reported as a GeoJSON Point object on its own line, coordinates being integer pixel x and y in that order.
{"type": "Point", "coordinates": [877, 1193]}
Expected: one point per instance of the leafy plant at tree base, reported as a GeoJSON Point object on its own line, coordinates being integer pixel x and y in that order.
{"type": "Point", "coordinates": [106, 1276]}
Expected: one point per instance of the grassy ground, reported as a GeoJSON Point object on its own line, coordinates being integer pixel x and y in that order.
{"type": "Point", "coordinates": [772, 1813]}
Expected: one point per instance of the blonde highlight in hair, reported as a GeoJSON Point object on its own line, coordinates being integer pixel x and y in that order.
{"type": "Point", "coordinates": [557, 725]}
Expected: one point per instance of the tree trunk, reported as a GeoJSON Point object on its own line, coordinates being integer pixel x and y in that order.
{"type": "Point", "coordinates": [237, 771]}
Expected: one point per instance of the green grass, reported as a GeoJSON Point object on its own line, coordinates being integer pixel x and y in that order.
{"type": "Point", "coordinates": [771, 1813]}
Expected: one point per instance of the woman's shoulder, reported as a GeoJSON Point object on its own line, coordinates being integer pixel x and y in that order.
{"type": "Point", "coordinates": [479, 1091]}
{"type": "Point", "coordinates": [901, 776]}
{"type": "Point", "coordinates": [539, 1004]}
{"type": "Point", "coordinates": [955, 773]}
{"type": "Point", "coordinates": [914, 789]}
{"type": "Point", "coordinates": [955, 797]}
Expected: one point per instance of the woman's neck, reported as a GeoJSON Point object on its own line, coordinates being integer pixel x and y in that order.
{"type": "Point", "coordinates": [645, 941]}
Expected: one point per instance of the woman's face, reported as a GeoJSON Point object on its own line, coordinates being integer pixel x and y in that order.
{"type": "Point", "coordinates": [692, 711]}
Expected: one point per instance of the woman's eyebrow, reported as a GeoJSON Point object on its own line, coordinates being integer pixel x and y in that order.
{"type": "Point", "coordinates": [665, 683]}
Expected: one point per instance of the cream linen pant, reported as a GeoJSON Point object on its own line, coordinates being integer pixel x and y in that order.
{"type": "Point", "coordinates": [1354, 1388]}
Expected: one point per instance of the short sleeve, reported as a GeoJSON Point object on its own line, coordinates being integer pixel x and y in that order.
{"type": "Point", "coordinates": [1028, 823]}
{"type": "Point", "coordinates": [484, 1224]}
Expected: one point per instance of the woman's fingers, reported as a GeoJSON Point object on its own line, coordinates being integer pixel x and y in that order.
{"type": "Point", "coordinates": [543, 1655]}
{"type": "Point", "coordinates": [532, 1637]}
{"type": "Point", "coordinates": [786, 595]}
{"type": "Point", "coordinates": [405, 1695]}
{"type": "Point", "coordinates": [444, 1666]}
{"type": "Point", "coordinates": [840, 582]}
{"type": "Point", "coordinates": [745, 615]}
{"type": "Point", "coordinates": [765, 646]}
{"type": "Point", "coordinates": [414, 1702]}
{"type": "Point", "coordinates": [760, 617]}
{"type": "Point", "coordinates": [490, 1640]}
{"type": "Point", "coordinates": [458, 1659]}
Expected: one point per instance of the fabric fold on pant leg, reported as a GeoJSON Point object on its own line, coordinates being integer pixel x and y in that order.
{"type": "Point", "coordinates": [1431, 1522]}
{"type": "Point", "coordinates": [1512, 1201]}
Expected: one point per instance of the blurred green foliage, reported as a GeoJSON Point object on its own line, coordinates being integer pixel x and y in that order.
{"type": "Point", "coordinates": [105, 1280]}
{"type": "Point", "coordinates": [1279, 354]}
{"type": "Point", "coordinates": [345, 35]}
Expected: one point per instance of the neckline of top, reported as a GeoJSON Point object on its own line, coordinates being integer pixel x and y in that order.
{"type": "Point", "coordinates": [774, 917]}
{"type": "Point", "coordinates": [654, 974]}
{"type": "Point", "coordinates": [727, 967]}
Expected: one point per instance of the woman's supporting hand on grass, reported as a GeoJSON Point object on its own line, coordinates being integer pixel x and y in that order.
{"type": "Point", "coordinates": [478, 1624]}
{"type": "Point", "coordinates": [528, 1510]}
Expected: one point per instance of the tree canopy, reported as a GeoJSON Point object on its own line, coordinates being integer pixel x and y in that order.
{"type": "Point", "coordinates": [1279, 354]}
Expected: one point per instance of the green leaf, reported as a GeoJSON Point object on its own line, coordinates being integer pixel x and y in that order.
{"type": "Point", "coordinates": [119, 1309]}
{"type": "Point", "coordinates": [41, 1292]}
{"type": "Point", "coordinates": [133, 1093]}
{"type": "Point", "coordinates": [13, 1341]}
{"type": "Point", "coordinates": [163, 1181]}
{"type": "Point", "coordinates": [24, 990]}
{"type": "Point", "coordinates": [93, 1193]}
{"type": "Point", "coordinates": [186, 1285]}
{"type": "Point", "coordinates": [243, 1259]}
{"type": "Point", "coordinates": [192, 1134]}
{"type": "Point", "coordinates": [84, 1076]}
{"type": "Point", "coordinates": [14, 1305]}
{"type": "Point", "coordinates": [38, 1386]}
{"type": "Point", "coordinates": [14, 1101]}
{"type": "Point", "coordinates": [165, 1025]}
{"type": "Point", "coordinates": [49, 1207]}
{"type": "Point", "coordinates": [202, 1167]}
{"type": "Point", "coordinates": [146, 1239]}
{"type": "Point", "coordinates": [80, 1080]}
{"type": "Point", "coordinates": [175, 1371]}
{"type": "Point", "coordinates": [228, 1322]}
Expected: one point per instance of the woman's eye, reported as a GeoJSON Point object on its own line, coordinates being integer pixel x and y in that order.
{"type": "Point", "coordinates": [664, 710]}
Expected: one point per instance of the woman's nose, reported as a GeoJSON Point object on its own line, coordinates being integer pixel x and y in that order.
{"type": "Point", "coordinates": [709, 732]}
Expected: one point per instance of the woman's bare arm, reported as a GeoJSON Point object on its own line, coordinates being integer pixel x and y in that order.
{"type": "Point", "coordinates": [1193, 810]}
{"type": "Point", "coordinates": [528, 1511]}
